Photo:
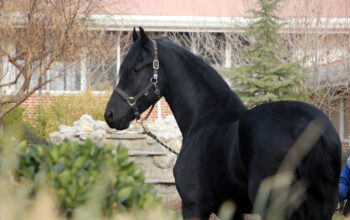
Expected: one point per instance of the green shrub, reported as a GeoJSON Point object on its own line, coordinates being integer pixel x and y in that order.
{"type": "Point", "coordinates": [1, 148]}
{"type": "Point", "coordinates": [73, 170]}
{"type": "Point", "coordinates": [66, 109]}
{"type": "Point", "coordinates": [13, 117]}
{"type": "Point", "coordinates": [16, 127]}
{"type": "Point", "coordinates": [13, 121]}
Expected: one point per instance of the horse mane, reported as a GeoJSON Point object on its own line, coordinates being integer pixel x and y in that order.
{"type": "Point", "coordinates": [208, 75]}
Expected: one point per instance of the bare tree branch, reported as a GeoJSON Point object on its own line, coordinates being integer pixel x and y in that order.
{"type": "Point", "coordinates": [39, 34]}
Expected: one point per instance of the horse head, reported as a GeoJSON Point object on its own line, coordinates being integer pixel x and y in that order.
{"type": "Point", "coordinates": [138, 85]}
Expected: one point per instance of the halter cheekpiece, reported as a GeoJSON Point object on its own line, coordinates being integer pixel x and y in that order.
{"type": "Point", "coordinates": [131, 100]}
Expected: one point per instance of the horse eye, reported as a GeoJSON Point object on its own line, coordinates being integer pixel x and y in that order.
{"type": "Point", "coordinates": [137, 67]}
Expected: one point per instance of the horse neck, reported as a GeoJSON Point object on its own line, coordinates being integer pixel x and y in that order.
{"type": "Point", "coordinates": [190, 98]}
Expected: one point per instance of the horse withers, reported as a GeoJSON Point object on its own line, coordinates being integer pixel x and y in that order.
{"type": "Point", "coordinates": [283, 153]}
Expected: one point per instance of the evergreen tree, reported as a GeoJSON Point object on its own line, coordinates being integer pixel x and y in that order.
{"type": "Point", "coordinates": [267, 76]}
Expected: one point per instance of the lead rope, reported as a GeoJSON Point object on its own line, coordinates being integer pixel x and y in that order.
{"type": "Point", "coordinates": [150, 134]}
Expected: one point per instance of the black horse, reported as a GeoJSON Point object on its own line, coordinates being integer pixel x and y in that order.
{"type": "Point", "coordinates": [227, 150]}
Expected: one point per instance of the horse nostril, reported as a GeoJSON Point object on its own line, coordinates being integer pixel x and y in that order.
{"type": "Point", "coordinates": [109, 116]}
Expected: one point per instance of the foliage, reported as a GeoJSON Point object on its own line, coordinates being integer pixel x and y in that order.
{"type": "Point", "coordinates": [13, 121]}
{"type": "Point", "coordinates": [66, 109]}
{"type": "Point", "coordinates": [73, 170]}
{"type": "Point", "coordinates": [1, 148]}
{"type": "Point", "coordinates": [268, 75]}
{"type": "Point", "coordinates": [15, 117]}
{"type": "Point", "coordinates": [15, 203]}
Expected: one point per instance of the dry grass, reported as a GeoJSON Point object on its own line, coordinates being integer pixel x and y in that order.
{"type": "Point", "coordinates": [66, 109]}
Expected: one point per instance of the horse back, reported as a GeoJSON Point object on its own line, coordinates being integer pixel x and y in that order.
{"type": "Point", "coordinates": [275, 127]}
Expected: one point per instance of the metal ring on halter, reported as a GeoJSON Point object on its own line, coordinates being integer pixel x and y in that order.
{"type": "Point", "coordinates": [131, 101]}
{"type": "Point", "coordinates": [154, 80]}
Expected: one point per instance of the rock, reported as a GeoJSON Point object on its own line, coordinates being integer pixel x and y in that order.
{"type": "Point", "coordinates": [175, 144]}
{"type": "Point", "coordinates": [66, 129]}
{"type": "Point", "coordinates": [135, 128]}
{"type": "Point", "coordinates": [87, 118]}
{"type": "Point", "coordinates": [153, 127]}
{"type": "Point", "coordinates": [85, 126]}
{"type": "Point", "coordinates": [150, 141]}
{"type": "Point", "coordinates": [84, 136]}
{"type": "Point", "coordinates": [164, 162]}
{"type": "Point", "coordinates": [167, 136]}
{"type": "Point", "coordinates": [98, 134]}
{"type": "Point", "coordinates": [166, 130]}
{"type": "Point", "coordinates": [111, 130]}
{"type": "Point", "coordinates": [76, 124]}
{"type": "Point", "coordinates": [55, 137]}
{"type": "Point", "coordinates": [100, 125]}
{"type": "Point", "coordinates": [170, 119]}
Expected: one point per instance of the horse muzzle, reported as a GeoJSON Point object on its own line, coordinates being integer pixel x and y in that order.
{"type": "Point", "coordinates": [119, 124]}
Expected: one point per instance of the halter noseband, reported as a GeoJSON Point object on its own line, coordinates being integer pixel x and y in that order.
{"type": "Point", "coordinates": [131, 100]}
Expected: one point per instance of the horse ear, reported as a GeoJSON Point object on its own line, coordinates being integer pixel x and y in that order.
{"type": "Point", "coordinates": [144, 37]}
{"type": "Point", "coordinates": [135, 36]}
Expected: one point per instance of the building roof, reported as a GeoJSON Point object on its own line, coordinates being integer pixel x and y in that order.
{"type": "Point", "coordinates": [224, 8]}
{"type": "Point", "coordinates": [215, 15]}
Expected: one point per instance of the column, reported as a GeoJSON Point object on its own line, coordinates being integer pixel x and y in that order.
{"type": "Point", "coordinates": [341, 119]}
{"type": "Point", "coordinates": [83, 70]}
{"type": "Point", "coordinates": [228, 51]}
{"type": "Point", "coordinates": [159, 108]}
{"type": "Point", "coordinates": [118, 52]}
{"type": "Point", "coordinates": [193, 43]}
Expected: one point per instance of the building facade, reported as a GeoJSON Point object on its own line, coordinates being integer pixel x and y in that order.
{"type": "Point", "coordinates": [211, 29]}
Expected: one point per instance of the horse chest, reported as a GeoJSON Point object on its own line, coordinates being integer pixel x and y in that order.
{"type": "Point", "coordinates": [204, 165]}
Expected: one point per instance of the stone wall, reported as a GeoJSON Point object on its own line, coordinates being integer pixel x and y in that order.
{"type": "Point", "coordinates": [151, 156]}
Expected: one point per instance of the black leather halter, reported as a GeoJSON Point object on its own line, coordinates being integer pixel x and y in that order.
{"type": "Point", "coordinates": [131, 100]}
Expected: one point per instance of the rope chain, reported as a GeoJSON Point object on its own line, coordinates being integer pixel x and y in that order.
{"type": "Point", "coordinates": [149, 133]}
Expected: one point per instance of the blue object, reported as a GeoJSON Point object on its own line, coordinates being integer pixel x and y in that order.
{"type": "Point", "coordinates": [344, 181]}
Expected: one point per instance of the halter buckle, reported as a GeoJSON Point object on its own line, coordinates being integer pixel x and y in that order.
{"type": "Point", "coordinates": [131, 101]}
{"type": "Point", "coordinates": [156, 64]}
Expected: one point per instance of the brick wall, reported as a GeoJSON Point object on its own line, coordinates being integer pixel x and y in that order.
{"type": "Point", "coordinates": [33, 102]}
{"type": "Point", "coordinates": [165, 111]}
